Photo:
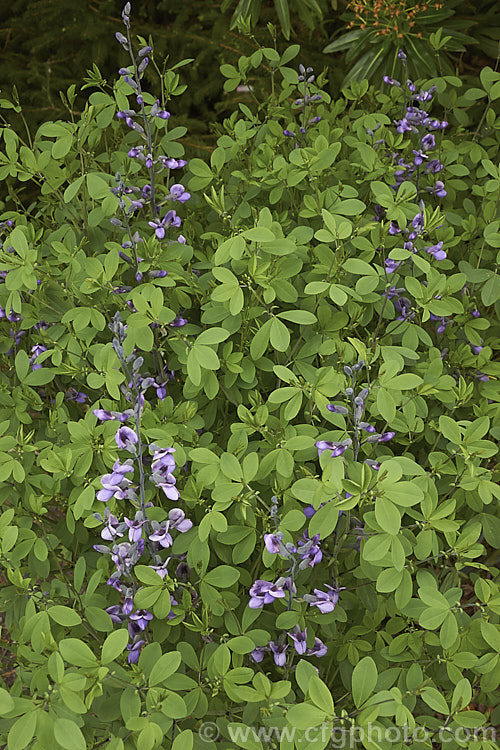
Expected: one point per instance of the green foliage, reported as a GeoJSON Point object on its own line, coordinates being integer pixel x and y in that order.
{"type": "Point", "coordinates": [430, 34]}
{"type": "Point", "coordinates": [283, 283]}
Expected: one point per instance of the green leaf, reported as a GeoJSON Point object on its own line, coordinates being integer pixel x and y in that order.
{"type": "Point", "coordinates": [22, 364]}
{"type": "Point", "coordinates": [212, 336]}
{"type": "Point", "coordinates": [490, 292]}
{"type": "Point", "coordinates": [491, 634]}
{"type": "Point", "coordinates": [387, 515]}
{"type": "Point", "coordinates": [376, 547]}
{"type": "Point", "coordinates": [450, 429]}
{"type": "Point", "coordinates": [305, 715]}
{"type": "Point", "coordinates": [41, 376]}
{"type": "Point", "coordinates": [449, 631]}
{"type": "Point", "coordinates": [279, 335]}
{"type": "Point", "coordinates": [320, 695]}
{"type": "Point", "coordinates": [287, 620]}
{"type": "Point", "coordinates": [97, 186]}
{"type": "Point", "coordinates": [259, 234]}
{"type": "Point", "coordinates": [350, 207]}
{"type": "Point", "coordinates": [114, 645]}
{"type": "Point", "coordinates": [359, 267]}
{"type": "Point", "coordinates": [6, 702]}
{"type": "Point", "coordinates": [283, 16]}
{"type": "Point", "coordinates": [241, 644]}
{"type": "Point", "coordinates": [62, 146]}
{"type": "Point", "coordinates": [364, 680]}
{"type": "Point", "coordinates": [434, 700]}
{"type": "Point", "coordinates": [260, 341]}
{"type": "Point", "coordinates": [199, 168]}
{"type": "Point", "coordinates": [302, 317]}
{"type": "Point", "coordinates": [206, 357]}
{"type": "Point", "coordinates": [72, 189]}
{"type": "Point", "coordinates": [222, 577]}
{"type": "Point", "coordinates": [76, 652]}
{"type": "Point", "coordinates": [174, 706]}
{"type": "Point", "coordinates": [22, 731]}
{"type": "Point", "coordinates": [405, 382]}
{"type": "Point", "coordinates": [64, 615]}
{"type": "Point", "coordinates": [166, 666]}
{"type": "Point", "coordinates": [183, 741]}
{"type": "Point", "coordinates": [69, 735]}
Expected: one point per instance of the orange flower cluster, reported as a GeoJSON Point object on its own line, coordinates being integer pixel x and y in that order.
{"type": "Point", "coordinates": [388, 16]}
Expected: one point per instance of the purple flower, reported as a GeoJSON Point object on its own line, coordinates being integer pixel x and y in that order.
{"type": "Point", "coordinates": [178, 193]}
{"type": "Point", "coordinates": [442, 322]}
{"type": "Point", "coordinates": [172, 163]}
{"type": "Point", "coordinates": [310, 510]}
{"type": "Point", "coordinates": [391, 81]}
{"type": "Point", "coordinates": [128, 606]}
{"type": "Point", "coordinates": [169, 220]}
{"type": "Point", "coordinates": [402, 305]}
{"type": "Point", "coordinates": [113, 529]}
{"type": "Point", "coordinates": [178, 521]}
{"type": "Point", "coordinates": [163, 461]}
{"type": "Point", "coordinates": [434, 166]}
{"type": "Point", "coordinates": [418, 222]}
{"type": "Point", "coordinates": [135, 527]}
{"type": "Point", "coordinates": [114, 485]}
{"type": "Point", "coordinates": [319, 648]}
{"type": "Point", "coordinates": [126, 438]}
{"type": "Point", "coordinates": [476, 314]}
{"type": "Point", "coordinates": [391, 265]}
{"type": "Point", "coordinates": [134, 651]}
{"type": "Point", "coordinates": [309, 550]}
{"type": "Point", "coordinates": [162, 568]}
{"type": "Point", "coordinates": [428, 142]}
{"type": "Point", "coordinates": [289, 133]}
{"type": "Point", "coordinates": [438, 189]}
{"type": "Point", "coordinates": [299, 640]}
{"type": "Point", "coordinates": [114, 613]}
{"type": "Point", "coordinates": [162, 536]}
{"type": "Point", "coordinates": [324, 601]}
{"type": "Point", "coordinates": [35, 352]}
{"type": "Point", "coordinates": [258, 653]}
{"type": "Point", "coordinates": [436, 251]}
{"type": "Point", "coordinates": [264, 592]}
{"type": "Point", "coordinates": [178, 322]}
{"type": "Point", "coordinates": [78, 396]}
{"type": "Point", "coordinates": [125, 555]}
{"type": "Point", "coordinates": [419, 157]}
{"type": "Point", "coordinates": [141, 618]}
{"type": "Point", "coordinates": [273, 542]}
{"type": "Point", "coordinates": [336, 448]}
{"type": "Point", "coordinates": [168, 486]}
{"type": "Point", "coordinates": [104, 415]}
{"type": "Point", "coordinates": [279, 652]}
{"type": "Point", "coordinates": [403, 126]}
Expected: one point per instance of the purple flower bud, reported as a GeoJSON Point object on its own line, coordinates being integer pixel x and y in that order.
{"type": "Point", "coordinates": [122, 39]}
{"type": "Point", "coordinates": [337, 409]}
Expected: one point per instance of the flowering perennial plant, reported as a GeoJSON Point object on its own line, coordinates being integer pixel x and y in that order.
{"type": "Point", "coordinates": [270, 496]}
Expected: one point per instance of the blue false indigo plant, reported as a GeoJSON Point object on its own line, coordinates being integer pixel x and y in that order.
{"type": "Point", "coordinates": [270, 501]}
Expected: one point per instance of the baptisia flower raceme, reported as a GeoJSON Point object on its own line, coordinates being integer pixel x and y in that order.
{"type": "Point", "coordinates": [143, 535]}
